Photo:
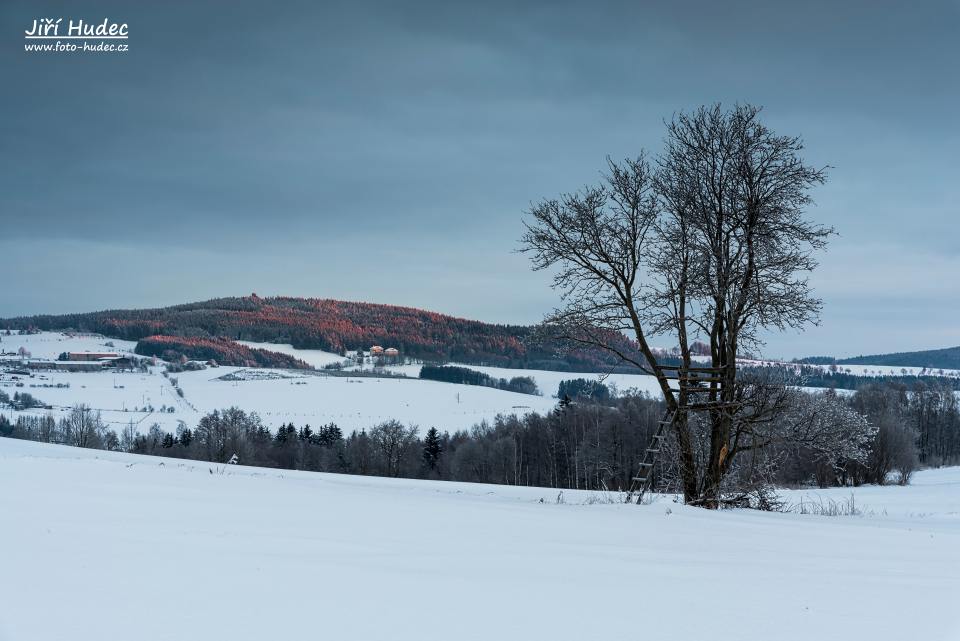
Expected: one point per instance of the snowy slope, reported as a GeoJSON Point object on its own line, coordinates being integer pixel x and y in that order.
{"type": "Point", "coordinates": [115, 546]}
{"type": "Point", "coordinates": [278, 396]}
{"type": "Point", "coordinates": [549, 381]}
{"type": "Point", "coordinates": [355, 402]}
{"type": "Point", "coordinates": [350, 402]}
{"type": "Point", "coordinates": [119, 397]}
{"type": "Point", "coordinates": [49, 345]}
{"type": "Point", "coordinates": [865, 370]}
{"type": "Point", "coordinates": [316, 357]}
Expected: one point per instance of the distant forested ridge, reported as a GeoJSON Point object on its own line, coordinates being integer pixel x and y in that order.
{"type": "Point", "coordinates": [337, 326]}
{"type": "Point", "coordinates": [947, 358]}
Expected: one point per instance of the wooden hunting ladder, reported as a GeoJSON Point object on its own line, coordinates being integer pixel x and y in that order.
{"type": "Point", "coordinates": [695, 383]}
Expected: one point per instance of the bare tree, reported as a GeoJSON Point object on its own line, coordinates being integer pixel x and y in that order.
{"type": "Point", "coordinates": [708, 243]}
{"type": "Point", "coordinates": [394, 442]}
{"type": "Point", "coordinates": [83, 427]}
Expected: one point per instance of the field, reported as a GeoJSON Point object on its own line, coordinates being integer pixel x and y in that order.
{"type": "Point", "coordinates": [352, 402]}
{"type": "Point", "coordinates": [316, 357]}
{"type": "Point", "coordinates": [198, 551]}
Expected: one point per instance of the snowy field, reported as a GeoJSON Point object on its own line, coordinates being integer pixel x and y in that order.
{"type": "Point", "coordinates": [867, 370]}
{"type": "Point", "coordinates": [279, 396]}
{"type": "Point", "coordinates": [548, 381]}
{"type": "Point", "coordinates": [315, 357]}
{"type": "Point", "coordinates": [357, 402]}
{"type": "Point", "coordinates": [119, 397]}
{"type": "Point", "coordinates": [49, 345]}
{"type": "Point", "coordinates": [116, 546]}
{"type": "Point", "coordinates": [350, 402]}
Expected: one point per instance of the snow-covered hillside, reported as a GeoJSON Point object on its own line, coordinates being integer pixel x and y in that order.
{"type": "Point", "coordinates": [352, 402]}
{"type": "Point", "coordinates": [115, 546]}
{"type": "Point", "coordinates": [316, 357]}
{"type": "Point", "coordinates": [549, 381]}
{"type": "Point", "coordinates": [863, 370]}
{"type": "Point", "coordinates": [49, 345]}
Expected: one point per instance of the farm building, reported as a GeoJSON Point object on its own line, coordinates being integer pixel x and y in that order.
{"type": "Point", "coordinates": [66, 366]}
{"type": "Point", "coordinates": [376, 350]}
{"type": "Point", "coordinates": [120, 362]}
{"type": "Point", "coordinates": [391, 351]}
{"type": "Point", "coordinates": [87, 356]}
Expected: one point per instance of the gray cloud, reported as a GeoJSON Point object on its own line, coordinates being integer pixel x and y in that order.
{"type": "Point", "coordinates": [384, 152]}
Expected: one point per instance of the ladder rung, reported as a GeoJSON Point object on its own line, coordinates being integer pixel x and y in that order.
{"type": "Point", "coordinates": [654, 450]}
{"type": "Point", "coordinates": [641, 479]}
{"type": "Point", "coordinates": [646, 465]}
{"type": "Point", "coordinates": [709, 406]}
{"type": "Point", "coordinates": [706, 370]}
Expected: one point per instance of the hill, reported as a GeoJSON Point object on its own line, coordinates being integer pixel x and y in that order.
{"type": "Point", "coordinates": [335, 326]}
{"type": "Point", "coordinates": [947, 358]}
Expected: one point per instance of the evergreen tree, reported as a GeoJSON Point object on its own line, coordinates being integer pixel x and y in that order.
{"type": "Point", "coordinates": [329, 435]}
{"type": "Point", "coordinates": [432, 449]}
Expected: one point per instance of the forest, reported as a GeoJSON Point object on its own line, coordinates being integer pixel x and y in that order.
{"type": "Point", "coordinates": [337, 326]}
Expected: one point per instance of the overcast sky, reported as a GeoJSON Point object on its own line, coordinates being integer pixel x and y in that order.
{"type": "Point", "coordinates": [385, 152]}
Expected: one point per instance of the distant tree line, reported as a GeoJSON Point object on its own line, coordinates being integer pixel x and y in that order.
{"type": "Point", "coordinates": [835, 378]}
{"type": "Point", "coordinates": [581, 388]}
{"type": "Point", "coordinates": [947, 358]}
{"type": "Point", "coordinates": [21, 400]}
{"type": "Point", "coordinates": [467, 376]}
{"type": "Point", "coordinates": [816, 360]}
{"type": "Point", "coordinates": [882, 432]}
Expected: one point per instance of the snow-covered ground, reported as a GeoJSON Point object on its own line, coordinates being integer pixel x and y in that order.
{"type": "Point", "coordinates": [866, 370]}
{"type": "Point", "coordinates": [115, 546]}
{"type": "Point", "coordinates": [49, 345]}
{"type": "Point", "coordinates": [352, 402]}
{"type": "Point", "coordinates": [549, 381]}
{"type": "Point", "coordinates": [279, 397]}
{"type": "Point", "coordinates": [356, 402]}
{"type": "Point", "coordinates": [315, 357]}
{"type": "Point", "coordinates": [119, 397]}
